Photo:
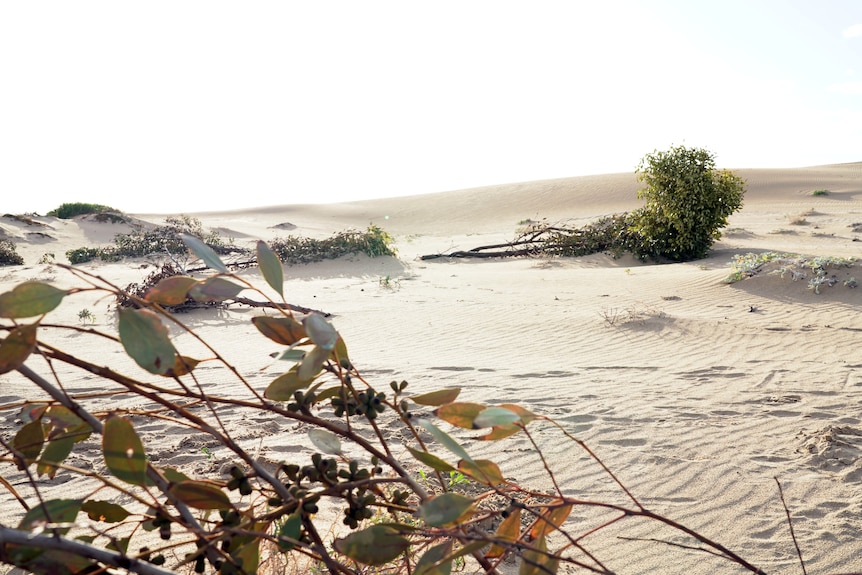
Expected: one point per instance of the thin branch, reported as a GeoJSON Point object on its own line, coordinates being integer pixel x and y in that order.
{"type": "Point", "coordinates": [790, 524]}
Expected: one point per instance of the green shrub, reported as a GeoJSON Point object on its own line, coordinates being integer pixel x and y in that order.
{"type": "Point", "coordinates": [82, 255]}
{"type": "Point", "coordinates": [8, 255]}
{"type": "Point", "coordinates": [820, 193]}
{"type": "Point", "coordinates": [373, 242]}
{"type": "Point", "coordinates": [72, 209]}
{"type": "Point", "coordinates": [687, 202]}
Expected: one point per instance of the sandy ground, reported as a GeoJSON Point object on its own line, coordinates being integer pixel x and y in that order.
{"type": "Point", "coordinates": [695, 392]}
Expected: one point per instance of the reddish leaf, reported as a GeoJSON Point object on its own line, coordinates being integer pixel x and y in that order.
{"type": "Point", "coordinates": [460, 414]}
{"type": "Point", "coordinates": [30, 299]}
{"type": "Point", "coordinates": [550, 520]}
{"type": "Point", "coordinates": [283, 330]}
{"type": "Point", "coordinates": [508, 531]}
{"type": "Point", "coordinates": [171, 291]}
{"type": "Point", "coordinates": [483, 471]}
{"type": "Point", "coordinates": [17, 347]}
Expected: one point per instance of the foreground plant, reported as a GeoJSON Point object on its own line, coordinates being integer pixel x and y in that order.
{"type": "Point", "coordinates": [148, 518]}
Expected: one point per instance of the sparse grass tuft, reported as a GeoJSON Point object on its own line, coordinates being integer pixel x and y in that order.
{"type": "Point", "coordinates": [794, 266]}
{"type": "Point", "coordinates": [820, 193]}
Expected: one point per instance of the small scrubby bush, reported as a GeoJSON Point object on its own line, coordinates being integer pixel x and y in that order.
{"type": "Point", "coordinates": [820, 193]}
{"type": "Point", "coordinates": [373, 242]}
{"type": "Point", "coordinates": [72, 209]}
{"type": "Point", "coordinates": [165, 239]}
{"type": "Point", "coordinates": [8, 255]}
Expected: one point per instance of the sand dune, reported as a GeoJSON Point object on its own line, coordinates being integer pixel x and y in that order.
{"type": "Point", "coordinates": [697, 393]}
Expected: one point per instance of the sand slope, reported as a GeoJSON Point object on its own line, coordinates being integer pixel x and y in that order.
{"type": "Point", "coordinates": [698, 394]}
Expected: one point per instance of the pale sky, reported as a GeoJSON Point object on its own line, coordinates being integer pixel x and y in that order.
{"type": "Point", "coordinates": [182, 106]}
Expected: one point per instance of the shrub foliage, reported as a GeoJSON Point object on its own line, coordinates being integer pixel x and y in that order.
{"type": "Point", "coordinates": [8, 254]}
{"type": "Point", "coordinates": [397, 511]}
{"type": "Point", "coordinates": [373, 242]}
{"type": "Point", "coordinates": [687, 202]}
{"type": "Point", "coordinates": [70, 210]}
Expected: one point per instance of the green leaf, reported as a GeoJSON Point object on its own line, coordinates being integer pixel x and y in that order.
{"type": "Point", "coordinates": [17, 347]}
{"type": "Point", "coordinates": [494, 416]}
{"type": "Point", "coordinates": [204, 252]}
{"type": "Point", "coordinates": [104, 511]}
{"type": "Point", "coordinates": [30, 299]}
{"type": "Point", "coordinates": [201, 495]}
{"type": "Point", "coordinates": [55, 511]}
{"type": "Point", "coordinates": [431, 460]}
{"type": "Point", "coordinates": [270, 267]}
{"type": "Point", "coordinates": [508, 531]}
{"type": "Point", "coordinates": [312, 363]}
{"type": "Point", "coordinates": [146, 340]}
{"type": "Point", "coordinates": [171, 291]}
{"type": "Point", "coordinates": [121, 545]}
{"type": "Point", "coordinates": [445, 509]}
{"type": "Point", "coordinates": [460, 414]}
{"type": "Point", "coordinates": [340, 353]}
{"type": "Point", "coordinates": [283, 387]}
{"type": "Point", "coordinates": [483, 471]}
{"type": "Point", "coordinates": [320, 331]}
{"type": "Point", "coordinates": [326, 441]}
{"type": "Point", "coordinates": [291, 529]}
{"type": "Point", "coordinates": [435, 561]}
{"type": "Point", "coordinates": [123, 451]}
{"type": "Point", "coordinates": [56, 451]}
{"type": "Point", "coordinates": [283, 330]}
{"type": "Point", "coordinates": [437, 398]}
{"type": "Point", "coordinates": [29, 441]}
{"type": "Point", "coordinates": [445, 439]}
{"type": "Point", "coordinates": [375, 545]}
{"type": "Point", "coordinates": [214, 289]}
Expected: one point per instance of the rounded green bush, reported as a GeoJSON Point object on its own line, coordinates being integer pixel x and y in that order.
{"type": "Point", "coordinates": [687, 202]}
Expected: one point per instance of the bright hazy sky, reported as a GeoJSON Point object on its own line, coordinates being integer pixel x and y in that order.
{"type": "Point", "coordinates": [182, 106]}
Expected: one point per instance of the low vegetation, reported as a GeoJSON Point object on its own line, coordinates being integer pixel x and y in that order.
{"type": "Point", "coordinates": [8, 254]}
{"type": "Point", "coordinates": [373, 242]}
{"type": "Point", "coordinates": [817, 271]}
{"type": "Point", "coordinates": [356, 505]}
{"type": "Point", "coordinates": [72, 209]}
